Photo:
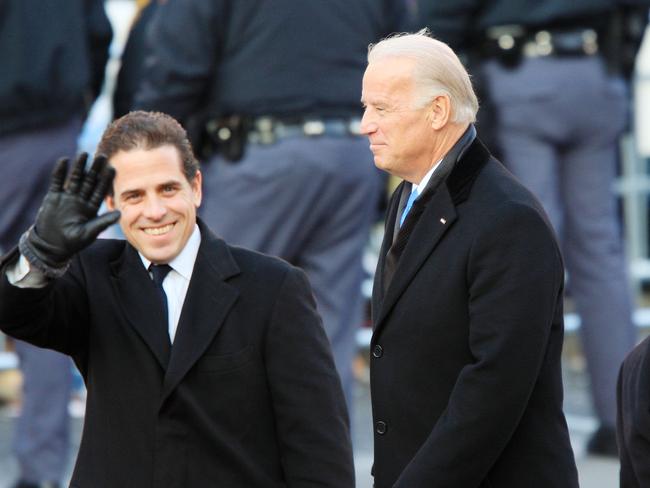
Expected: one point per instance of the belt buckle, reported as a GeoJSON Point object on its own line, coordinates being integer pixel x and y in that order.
{"type": "Point", "coordinates": [265, 130]}
{"type": "Point", "coordinates": [540, 45]}
{"type": "Point", "coordinates": [545, 43]}
{"type": "Point", "coordinates": [313, 128]}
{"type": "Point", "coordinates": [590, 42]}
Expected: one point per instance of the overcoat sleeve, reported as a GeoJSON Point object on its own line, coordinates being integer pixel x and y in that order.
{"type": "Point", "coordinates": [633, 418]}
{"type": "Point", "coordinates": [54, 317]}
{"type": "Point", "coordinates": [311, 416]}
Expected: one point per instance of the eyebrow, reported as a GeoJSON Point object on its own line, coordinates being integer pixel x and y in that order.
{"type": "Point", "coordinates": [127, 193]}
{"type": "Point", "coordinates": [381, 101]}
{"type": "Point", "coordinates": [175, 183]}
{"type": "Point", "coordinates": [132, 191]}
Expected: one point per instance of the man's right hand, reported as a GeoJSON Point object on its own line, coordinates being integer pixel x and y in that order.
{"type": "Point", "coordinates": [67, 221]}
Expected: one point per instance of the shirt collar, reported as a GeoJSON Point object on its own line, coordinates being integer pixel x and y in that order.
{"type": "Point", "coordinates": [423, 183]}
{"type": "Point", "coordinates": [183, 264]}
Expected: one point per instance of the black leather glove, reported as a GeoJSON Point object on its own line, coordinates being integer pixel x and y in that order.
{"type": "Point", "coordinates": [67, 221]}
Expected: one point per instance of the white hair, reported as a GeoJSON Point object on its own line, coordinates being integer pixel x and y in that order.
{"type": "Point", "coordinates": [438, 71]}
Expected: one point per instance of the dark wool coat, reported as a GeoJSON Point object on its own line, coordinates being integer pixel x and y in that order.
{"type": "Point", "coordinates": [247, 396]}
{"type": "Point", "coordinates": [465, 356]}
{"type": "Point", "coordinates": [633, 422]}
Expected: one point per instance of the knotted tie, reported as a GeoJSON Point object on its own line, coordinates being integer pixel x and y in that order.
{"type": "Point", "coordinates": [158, 273]}
{"type": "Point", "coordinates": [414, 194]}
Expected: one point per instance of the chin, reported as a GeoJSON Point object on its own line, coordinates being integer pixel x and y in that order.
{"type": "Point", "coordinates": [382, 165]}
{"type": "Point", "coordinates": [158, 255]}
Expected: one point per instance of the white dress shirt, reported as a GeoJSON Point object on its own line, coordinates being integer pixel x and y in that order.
{"type": "Point", "coordinates": [177, 280]}
{"type": "Point", "coordinates": [423, 183]}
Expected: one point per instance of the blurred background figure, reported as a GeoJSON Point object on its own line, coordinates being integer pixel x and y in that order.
{"type": "Point", "coordinates": [553, 76]}
{"type": "Point", "coordinates": [270, 93]}
{"type": "Point", "coordinates": [52, 56]}
{"type": "Point", "coordinates": [132, 58]}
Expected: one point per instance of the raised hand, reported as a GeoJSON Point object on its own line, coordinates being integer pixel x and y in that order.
{"type": "Point", "coordinates": [67, 221]}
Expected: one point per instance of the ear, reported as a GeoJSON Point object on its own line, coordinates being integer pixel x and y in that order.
{"type": "Point", "coordinates": [439, 112]}
{"type": "Point", "coordinates": [197, 183]}
{"type": "Point", "coordinates": [110, 202]}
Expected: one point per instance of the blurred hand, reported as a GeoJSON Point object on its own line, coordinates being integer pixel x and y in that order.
{"type": "Point", "coordinates": [67, 221]}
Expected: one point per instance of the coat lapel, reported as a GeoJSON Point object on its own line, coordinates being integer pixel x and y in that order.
{"type": "Point", "coordinates": [140, 303]}
{"type": "Point", "coordinates": [207, 303]}
{"type": "Point", "coordinates": [387, 242]}
{"type": "Point", "coordinates": [437, 218]}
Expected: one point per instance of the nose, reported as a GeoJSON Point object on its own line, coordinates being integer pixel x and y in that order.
{"type": "Point", "coordinates": [154, 208]}
{"type": "Point", "coordinates": [368, 126]}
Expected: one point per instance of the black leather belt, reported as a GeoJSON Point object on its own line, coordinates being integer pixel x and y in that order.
{"type": "Point", "coordinates": [267, 130]}
{"type": "Point", "coordinates": [230, 135]}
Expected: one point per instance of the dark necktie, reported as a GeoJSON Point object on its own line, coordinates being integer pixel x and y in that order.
{"type": "Point", "coordinates": [158, 273]}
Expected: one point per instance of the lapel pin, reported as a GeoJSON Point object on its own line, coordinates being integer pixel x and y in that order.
{"type": "Point", "coordinates": [443, 221]}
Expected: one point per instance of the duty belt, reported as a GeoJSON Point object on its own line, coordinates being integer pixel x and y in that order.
{"type": "Point", "coordinates": [230, 135]}
{"type": "Point", "coordinates": [267, 130]}
{"type": "Point", "coordinates": [509, 43]}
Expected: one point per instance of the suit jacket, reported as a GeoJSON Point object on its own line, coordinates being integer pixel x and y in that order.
{"type": "Point", "coordinates": [465, 355]}
{"type": "Point", "coordinates": [248, 395]}
{"type": "Point", "coordinates": [633, 422]}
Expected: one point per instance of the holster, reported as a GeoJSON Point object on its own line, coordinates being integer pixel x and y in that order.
{"type": "Point", "coordinates": [228, 136]}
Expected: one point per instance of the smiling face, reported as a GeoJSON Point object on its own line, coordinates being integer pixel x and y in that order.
{"type": "Point", "coordinates": [157, 203]}
{"type": "Point", "coordinates": [401, 136]}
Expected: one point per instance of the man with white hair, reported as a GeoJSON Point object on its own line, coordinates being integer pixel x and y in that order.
{"type": "Point", "coordinates": [467, 302]}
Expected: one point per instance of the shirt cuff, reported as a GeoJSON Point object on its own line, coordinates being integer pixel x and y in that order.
{"type": "Point", "coordinates": [22, 275]}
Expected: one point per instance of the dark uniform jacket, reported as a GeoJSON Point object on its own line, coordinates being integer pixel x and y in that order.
{"type": "Point", "coordinates": [465, 369]}
{"type": "Point", "coordinates": [284, 58]}
{"type": "Point", "coordinates": [53, 55]}
{"type": "Point", "coordinates": [247, 396]}
{"type": "Point", "coordinates": [473, 26]}
{"type": "Point", "coordinates": [461, 23]}
{"type": "Point", "coordinates": [132, 61]}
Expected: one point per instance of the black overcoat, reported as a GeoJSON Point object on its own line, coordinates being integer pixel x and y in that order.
{"type": "Point", "coordinates": [633, 421]}
{"type": "Point", "coordinates": [465, 355]}
{"type": "Point", "coordinates": [247, 397]}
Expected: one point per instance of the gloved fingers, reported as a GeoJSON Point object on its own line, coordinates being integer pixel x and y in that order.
{"type": "Point", "coordinates": [58, 175]}
{"type": "Point", "coordinates": [104, 183]}
{"type": "Point", "coordinates": [76, 174]}
{"type": "Point", "coordinates": [90, 180]}
{"type": "Point", "coordinates": [94, 227]}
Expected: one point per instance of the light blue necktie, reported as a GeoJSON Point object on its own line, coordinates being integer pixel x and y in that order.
{"type": "Point", "coordinates": [414, 194]}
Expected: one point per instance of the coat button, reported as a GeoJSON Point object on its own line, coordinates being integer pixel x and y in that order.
{"type": "Point", "coordinates": [381, 427]}
{"type": "Point", "coordinates": [377, 351]}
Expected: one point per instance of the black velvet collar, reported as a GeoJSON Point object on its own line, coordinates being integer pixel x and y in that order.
{"type": "Point", "coordinates": [460, 180]}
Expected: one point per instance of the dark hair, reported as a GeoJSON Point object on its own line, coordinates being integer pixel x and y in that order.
{"type": "Point", "coordinates": [148, 130]}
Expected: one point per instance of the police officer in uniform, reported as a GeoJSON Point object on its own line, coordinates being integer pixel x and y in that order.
{"type": "Point", "coordinates": [270, 91]}
{"type": "Point", "coordinates": [554, 72]}
{"type": "Point", "coordinates": [53, 56]}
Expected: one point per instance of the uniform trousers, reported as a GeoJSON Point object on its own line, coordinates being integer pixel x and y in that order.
{"type": "Point", "coordinates": [41, 436]}
{"type": "Point", "coordinates": [559, 123]}
{"type": "Point", "coordinates": [310, 201]}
